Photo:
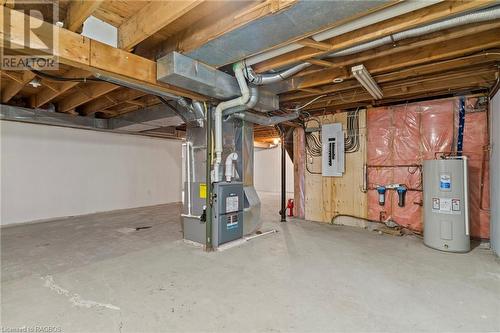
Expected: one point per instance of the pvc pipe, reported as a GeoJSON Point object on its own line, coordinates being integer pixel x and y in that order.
{"type": "Point", "coordinates": [254, 98]}
{"type": "Point", "coordinates": [229, 166]}
{"type": "Point", "coordinates": [239, 101]}
{"type": "Point", "coordinates": [188, 178]}
{"type": "Point", "coordinates": [247, 238]}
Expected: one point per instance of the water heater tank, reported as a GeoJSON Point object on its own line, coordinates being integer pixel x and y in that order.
{"type": "Point", "coordinates": [446, 207]}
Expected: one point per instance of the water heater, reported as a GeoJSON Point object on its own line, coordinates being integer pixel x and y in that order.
{"type": "Point", "coordinates": [446, 205]}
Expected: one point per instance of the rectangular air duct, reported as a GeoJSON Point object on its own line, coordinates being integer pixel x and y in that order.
{"type": "Point", "coordinates": [181, 71]}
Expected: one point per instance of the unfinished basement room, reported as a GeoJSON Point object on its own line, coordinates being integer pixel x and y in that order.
{"type": "Point", "coordinates": [250, 166]}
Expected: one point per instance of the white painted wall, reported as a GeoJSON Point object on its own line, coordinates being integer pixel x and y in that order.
{"type": "Point", "coordinates": [267, 174]}
{"type": "Point", "coordinates": [49, 171]}
{"type": "Point", "coordinates": [495, 173]}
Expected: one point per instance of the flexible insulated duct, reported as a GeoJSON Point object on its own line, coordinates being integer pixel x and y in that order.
{"type": "Point", "coordinates": [476, 17]}
{"type": "Point", "coordinates": [260, 79]}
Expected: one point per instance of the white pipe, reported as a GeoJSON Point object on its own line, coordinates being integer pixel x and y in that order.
{"type": "Point", "coordinates": [188, 179]}
{"type": "Point", "coordinates": [229, 166]}
{"type": "Point", "coordinates": [254, 98]}
{"type": "Point", "coordinates": [242, 100]}
{"type": "Point", "coordinates": [381, 15]}
{"type": "Point", "coordinates": [247, 238]}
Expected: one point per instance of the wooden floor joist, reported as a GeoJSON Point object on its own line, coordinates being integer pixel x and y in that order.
{"type": "Point", "coordinates": [113, 98]}
{"type": "Point", "coordinates": [12, 89]}
{"type": "Point", "coordinates": [85, 53]}
{"type": "Point", "coordinates": [444, 83]}
{"type": "Point", "coordinates": [47, 94]}
{"type": "Point", "coordinates": [85, 94]}
{"type": "Point", "coordinates": [404, 22]}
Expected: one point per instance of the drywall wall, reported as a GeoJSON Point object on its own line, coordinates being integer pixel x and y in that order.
{"type": "Point", "coordinates": [495, 175]}
{"type": "Point", "coordinates": [267, 172]}
{"type": "Point", "coordinates": [52, 171]}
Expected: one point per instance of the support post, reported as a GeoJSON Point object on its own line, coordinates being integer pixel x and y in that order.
{"type": "Point", "coordinates": [283, 175]}
{"type": "Point", "coordinates": [208, 236]}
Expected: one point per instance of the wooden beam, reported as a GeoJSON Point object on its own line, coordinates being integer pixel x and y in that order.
{"type": "Point", "coordinates": [84, 53]}
{"type": "Point", "coordinates": [78, 11]}
{"type": "Point", "coordinates": [12, 89]}
{"type": "Point", "coordinates": [85, 94]}
{"type": "Point", "coordinates": [114, 98]}
{"type": "Point", "coordinates": [400, 23]}
{"type": "Point", "coordinates": [150, 19]}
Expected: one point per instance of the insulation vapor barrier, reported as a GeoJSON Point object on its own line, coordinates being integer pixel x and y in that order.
{"type": "Point", "coordinates": [399, 139]}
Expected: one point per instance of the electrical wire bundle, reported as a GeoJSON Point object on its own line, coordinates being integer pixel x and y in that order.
{"type": "Point", "coordinates": [351, 143]}
{"type": "Point", "coordinates": [313, 145]}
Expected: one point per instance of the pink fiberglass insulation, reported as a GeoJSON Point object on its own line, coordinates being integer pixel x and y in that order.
{"type": "Point", "coordinates": [475, 144]}
{"type": "Point", "coordinates": [401, 137]}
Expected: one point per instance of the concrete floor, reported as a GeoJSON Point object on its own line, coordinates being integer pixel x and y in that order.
{"type": "Point", "coordinates": [97, 274]}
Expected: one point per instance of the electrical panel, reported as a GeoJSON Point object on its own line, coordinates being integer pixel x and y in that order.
{"type": "Point", "coordinates": [332, 141]}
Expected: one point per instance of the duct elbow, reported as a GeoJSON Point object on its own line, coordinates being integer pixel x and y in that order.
{"type": "Point", "coordinates": [262, 79]}
{"type": "Point", "coordinates": [230, 159]}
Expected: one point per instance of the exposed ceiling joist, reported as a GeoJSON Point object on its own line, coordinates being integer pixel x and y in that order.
{"type": "Point", "coordinates": [85, 94]}
{"type": "Point", "coordinates": [114, 98]}
{"type": "Point", "coordinates": [214, 20]}
{"type": "Point", "coordinates": [434, 52]}
{"type": "Point", "coordinates": [150, 19]}
{"type": "Point", "coordinates": [78, 11]}
{"type": "Point", "coordinates": [404, 22]}
{"type": "Point", "coordinates": [85, 53]}
{"type": "Point", "coordinates": [12, 89]}
{"type": "Point", "coordinates": [47, 94]}
{"type": "Point", "coordinates": [407, 73]}
{"type": "Point", "coordinates": [443, 83]}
